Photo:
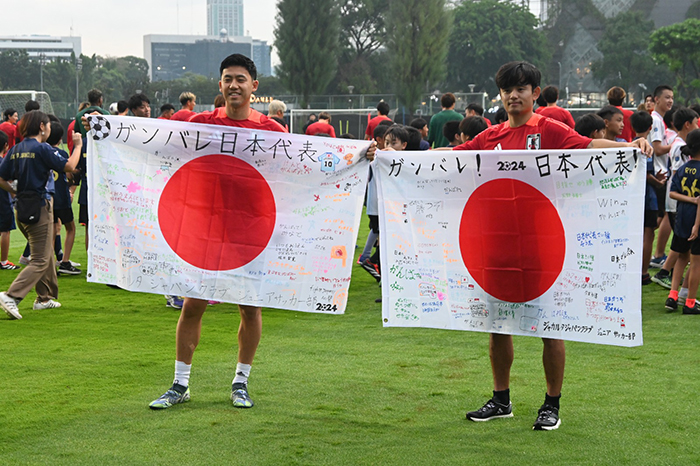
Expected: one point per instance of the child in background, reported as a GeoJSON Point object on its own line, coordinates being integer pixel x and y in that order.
{"type": "Point", "coordinates": [451, 132]}
{"type": "Point", "coordinates": [471, 126]}
{"type": "Point", "coordinates": [641, 124]}
{"type": "Point", "coordinates": [7, 215]}
{"type": "Point", "coordinates": [685, 120]}
{"type": "Point", "coordinates": [614, 122]}
{"type": "Point", "coordinates": [590, 125]}
{"type": "Point", "coordinates": [684, 190]}
{"type": "Point", "coordinates": [62, 211]}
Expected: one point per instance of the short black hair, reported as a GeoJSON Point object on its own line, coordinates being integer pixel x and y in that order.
{"type": "Point", "coordinates": [397, 132]}
{"type": "Point", "coordinates": [550, 94]}
{"type": "Point", "coordinates": [165, 107]}
{"type": "Point", "coordinates": [518, 73]}
{"type": "Point", "coordinates": [385, 123]}
{"type": "Point", "coordinates": [136, 100]}
{"type": "Point", "coordinates": [692, 143]}
{"type": "Point", "coordinates": [8, 113]}
{"type": "Point", "coordinates": [56, 131]}
{"type": "Point", "coordinates": [641, 122]}
{"type": "Point", "coordinates": [347, 136]}
{"type": "Point", "coordinates": [379, 131]}
{"type": "Point", "coordinates": [94, 96]}
{"type": "Point", "coordinates": [31, 123]}
{"type": "Point", "coordinates": [237, 59]}
{"type": "Point", "coordinates": [501, 115]}
{"type": "Point", "coordinates": [450, 130]}
{"type": "Point", "coordinates": [607, 112]}
{"type": "Point", "coordinates": [472, 125]}
{"type": "Point", "coordinates": [383, 108]}
{"type": "Point", "coordinates": [122, 106]}
{"type": "Point", "coordinates": [31, 105]}
{"type": "Point", "coordinates": [589, 123]}
{"type": "Point", "coordinates": [414, 138]}
{"type": "Point", "coordinates": [660, 90]}
{"type": "Point", "coordinates": [476, 108]}
{"type": "Point", "coordinates": [682, 116]}
{"type": "Point", "coordinates": [418, 123]}
{"type": "Point", "coordinates": [448, 100]}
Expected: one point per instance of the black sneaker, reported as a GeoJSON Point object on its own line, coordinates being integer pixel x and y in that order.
{"type": "Point", "coordinates": [695, 310]}
{"type": "Point", "coordinates": [547, 418]}
{"type": "Point", "coordinates": [646, 279]}
{"type": "Point", "coordinates": [372, 269]}
{"type": "Point", "coordinates": [67, 268]}
{"type": "Point", "coordinates": [491, 410]}
{"type": "Point", "coordinates": [671, 305]}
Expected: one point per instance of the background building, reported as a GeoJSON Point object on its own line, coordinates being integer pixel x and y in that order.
{"type": "Point", "coordinates": [225, 14]}
{"type": "Point", "coordinates": [52, 47]}
{"type": "Point", "coordinates": [171, 56]}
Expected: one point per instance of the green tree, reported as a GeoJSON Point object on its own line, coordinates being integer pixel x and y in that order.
{"type": "Point", "coordinates": [417, 32]}
{"type": "Point", "coordinates": [18, 72]}
{"type": "Point", "coordinates": [677, 47]}
{"type": "Point", "coordinates": [362, 33]}
{"type": "Point", "coordinates": [626, 60]}
{"type": "Point", "coordinates": [306, 38]}
{"type": "Point", "coordinates": [488, 33]}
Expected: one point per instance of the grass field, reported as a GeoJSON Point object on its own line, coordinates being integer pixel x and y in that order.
{"type": "Point", "coordinates": [76, 383]}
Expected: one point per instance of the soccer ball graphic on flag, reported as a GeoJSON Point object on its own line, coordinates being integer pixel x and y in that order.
{"type": "Point", "coordinates": [100, 127]}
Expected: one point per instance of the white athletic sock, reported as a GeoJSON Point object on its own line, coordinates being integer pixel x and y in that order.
{"type": "Point", "coordinates": [242, 373]}
{"type": "Point", "coordinates": [683, 294]}
{"type": "Point", "coordinates": [182, 373]}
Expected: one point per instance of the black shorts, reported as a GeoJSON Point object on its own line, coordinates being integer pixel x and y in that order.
{"type": "Point", "coordinates": [374, 223]}
{"type": "Point", "coordinates": [672, 220]}
{"type": "Point", "coordinates": [650, 218]}
{"type": "Point", "coordinates": [681, 245]}
{"type": "Point", "coordinates": [661, 200]}
{"type": "Point", "coordinates": [83, 215]}
{"type": "Point", "coordinates": [7, 221]}
{"type": "Point", "coordinates": [64, 215]}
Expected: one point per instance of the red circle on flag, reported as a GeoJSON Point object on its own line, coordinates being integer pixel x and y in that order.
{"type": "Point", "coordinates": [217, 212]}
{"type": "Point", "coordinates": [512, 240]}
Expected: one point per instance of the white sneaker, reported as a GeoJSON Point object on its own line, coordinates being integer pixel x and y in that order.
{"type": "Point", "coordinates": [9, 305]}
{"type": "Point", "coordinates": [25, 260]}
{"type": "Point", "coordinates": [50, 304]}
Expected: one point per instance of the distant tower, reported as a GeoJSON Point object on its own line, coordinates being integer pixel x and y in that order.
{"type": "Point", "coordinates": [225, 14]}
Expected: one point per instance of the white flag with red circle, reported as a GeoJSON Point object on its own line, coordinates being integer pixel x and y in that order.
{"type": "Point", "coordinates": [224, 213]}
{"type": "Point", "coordinates": [540, 243]}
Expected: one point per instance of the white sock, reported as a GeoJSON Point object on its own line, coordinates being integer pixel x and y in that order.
{"type": "Point", "coordinates": [242, 373]}
{"type": "Point", "coordinates": [683, 293]}
{"type": "Point", "coordinates": [182, 373]}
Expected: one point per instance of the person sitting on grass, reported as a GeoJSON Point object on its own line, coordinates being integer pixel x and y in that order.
{"type": "Point", "coordinates": [687, 224]}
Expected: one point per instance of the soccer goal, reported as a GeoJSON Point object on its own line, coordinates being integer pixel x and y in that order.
{"type": "Point", "coordinates": [353, 121]}
{"type": "Point", "coordinates": [17, 99]}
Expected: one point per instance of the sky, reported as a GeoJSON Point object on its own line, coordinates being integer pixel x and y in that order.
{"type": "Point", "coordinates": [116, 27]}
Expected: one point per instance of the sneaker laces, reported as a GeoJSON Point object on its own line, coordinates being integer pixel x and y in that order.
{"type": "Point", "coordinates": [489, 405]}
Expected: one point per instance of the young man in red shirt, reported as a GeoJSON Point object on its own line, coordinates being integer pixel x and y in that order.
{"type": "Point", "coordinates": [322, 126]}
{"type": "Point", "coordinates": [238, 82]}
{"type": "Point", "coordinates": [552, 110]}
{"type": "Point", "coordinates": [616, 97]}
{"type": "Point", "coordinates": [188, 100]}
{"type": "Point", "coordinates": [519, 87]}
{"type": "Point", "coordinates": [383, 111]}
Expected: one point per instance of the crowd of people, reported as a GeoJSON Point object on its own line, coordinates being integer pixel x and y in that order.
{"type": "Point", "coordinates": [41, 178]}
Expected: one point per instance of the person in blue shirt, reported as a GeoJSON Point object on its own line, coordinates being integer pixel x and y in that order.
{"type": "Point", "coordinates": [685, 188]}
{"type": "Point", "coordinates": [30, 163]}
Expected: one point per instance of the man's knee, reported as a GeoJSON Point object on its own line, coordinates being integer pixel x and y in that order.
{"type": "Point", "coordinates": [250, 313]}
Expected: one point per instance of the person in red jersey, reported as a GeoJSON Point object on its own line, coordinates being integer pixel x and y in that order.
{"type": "Point", "coordinates": [616, 97]}
{"type": "Point", "coordinates": [238, 82]}
{"type": "Point", "coordinates": [552, 110]}
{"type": "Point", "coordinates": [322, 126]}
{"type": "Point", "coordinates": [9, 126]}
{"type": "Point", "coordinates": [519, 87]}
{"type": "Point", "coordinates": [188, 100]}
{"type": "Point", "coordinates": [383, 111]}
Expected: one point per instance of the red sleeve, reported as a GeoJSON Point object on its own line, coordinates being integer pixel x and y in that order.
{"type": "Point", "coordinates": [469, 145]}
{"type": "Point", "coordinates": [570, 119]}
{"type": "Point", "coordinates": [332, 132]}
